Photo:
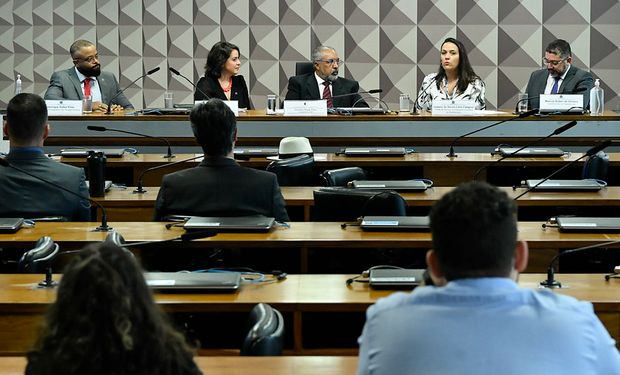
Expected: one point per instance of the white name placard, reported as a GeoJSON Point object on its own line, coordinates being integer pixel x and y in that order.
{"type": "Point", "coordinates": [305, 107]}
{"type": "Point", "coordinates": [453, 107]}
{"type": "Point", "coordinates": [64, 107]}
{"type": "Point", "coordinates": [4, 144]}
{"type": "Point", "coordinates": [232, 104]}
{"type": "Point", "coordinates": [561, 102]}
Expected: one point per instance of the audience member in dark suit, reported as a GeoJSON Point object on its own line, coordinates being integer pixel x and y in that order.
{"type": "Point", "coordinates": [324, 83]}
{"type": "Point", "coordinates": [84, 77]}
{"type": "Point", "coordinates": [105, 321]}
{"type": "Point", "coordinates": [559, 76]}
{"type": "Point", "coordinates": [219, 186]}
{"type": "Point", "coordinates": [24, 196]}
{"type": "Point", "coordinates": [221, 78]}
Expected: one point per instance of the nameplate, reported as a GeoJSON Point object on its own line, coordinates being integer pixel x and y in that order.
{"type": "Point", "coordinates": [232, 104]}
{"type": "Point", "coordinates": [453, 107]}
{"type": "Point", "coordinates": [305, 108]}
{"type": "Point", "coordinates": [64, 107]}
{"type": "Point", "coordinates": [4, 144]}
{"type": "Point", "coordinates": [561, 102]}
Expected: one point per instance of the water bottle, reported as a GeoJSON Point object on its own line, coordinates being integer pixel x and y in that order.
{"type": "Point", "coordinates": [96, 173]}
{"type": "Point", "coordinates": [18, 85]}
{"type": "Point", "coordinates": [597, 99]}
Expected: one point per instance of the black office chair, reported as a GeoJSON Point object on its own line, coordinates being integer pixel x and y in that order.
{"type": "Point", "coordinates": [296, 171]}
{"type": "Point", "coordinates": [304, 67]}
{"type": "Point", "coordinates": [342, 176]}
{"type": "Point", "coordinates": [266, 332]}
{"type": "Point", "coordinates": [596, 166]}
{"type": "Point", "coordinates": [39, 260]}
{"type": "Point", "coordinates": [342, 204]}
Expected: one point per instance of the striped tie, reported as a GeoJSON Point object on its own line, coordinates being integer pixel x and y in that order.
{"type": "Point", "coordinates": [554, 89]}
{"type": "Point", "coordinates": [327, 95]}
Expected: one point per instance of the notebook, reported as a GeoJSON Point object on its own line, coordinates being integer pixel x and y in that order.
{"type": "Point", "coordinates": [255, 223]}
{"type": "Point", "coordinates": [10, 224]}
{"type": "Point", "coordinates": [588, 224]}
{"type": "Point", "coordinates": [193, 281]}
{"type": "Point", "coordinates": [360, 111]}
{"type": "Point", "coordinates": [529, 151]}
{"type": "Point", "coordinates": [565, 185]}
{"type": "Point", "coordinates": [398, 185]}
{"type": "Point", "coordinates": [82, 152]}
{"type": "Point", "coordinates": [395, 278]}
{"type": "Point", "coordinates": [374, 151]}
{"type": "Point", "coordinates": [395, 223]}
{"type": "Point", "coordinates": [255, 152]}
{"type": "Point", "coordinates": [107, 185]}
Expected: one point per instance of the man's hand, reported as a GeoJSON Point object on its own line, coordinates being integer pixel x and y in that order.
{"type": "Point", "coordinates": [102, 107]}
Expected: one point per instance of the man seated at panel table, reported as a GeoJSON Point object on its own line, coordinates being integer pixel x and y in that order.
{"type": "Point", "coordinates": [22, 195]}
{"type": "Point", "coordinates": [478, 321]}
{"type": "Point", "coordinates": [558, 76]}
{"type": "Point", "coordinates": [219, 186]}
{"type": "Point", "coordinates": [86, 78]}
{"type": "Point", "coordinates": [324, 82]}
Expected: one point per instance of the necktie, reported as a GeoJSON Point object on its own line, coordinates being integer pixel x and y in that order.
{"type": "Point", "coordinates": [87, 87]}
{"type": "Point", "coordinates": [327, 94]}
{"type": "Point", "coordinates": [554, 89]}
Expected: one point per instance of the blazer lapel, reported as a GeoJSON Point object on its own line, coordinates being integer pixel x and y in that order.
{"type": "Point", "coordinates": [76, 82]}
{"type": "Point", "coordinates": [567, 80]}
{"type": "Point", "coordinates": [313, 87]}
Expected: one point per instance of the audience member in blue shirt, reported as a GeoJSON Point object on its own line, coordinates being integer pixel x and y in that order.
{"type": "Point", "coordinates": [478, 321]}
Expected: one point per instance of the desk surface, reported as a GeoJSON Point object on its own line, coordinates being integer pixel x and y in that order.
{"type": "Point", "coordinates": [294, 365]}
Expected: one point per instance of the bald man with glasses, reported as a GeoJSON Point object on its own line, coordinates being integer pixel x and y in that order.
{"type": "Point", "coordinates": [86, 78]}
{"type": "Point", "coordinates": [558, 76]}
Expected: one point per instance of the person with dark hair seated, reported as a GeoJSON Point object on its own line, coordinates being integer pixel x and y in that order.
{"type": "Point", "coordinates": [477, 320]}
{"type": "Point", "coordinates": [219, 186]}
{"type": "Point", "coordinates": [105, 321]}
{"type": "Point", "coordinates": [222, 79]}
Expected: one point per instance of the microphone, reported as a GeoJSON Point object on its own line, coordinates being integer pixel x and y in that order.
{"type": "Point", "coordinates": [373, 91]}
{"type": "Point", "coordinates": [169, 155]}
{"type": "Point", "coordinates": [451, 154]}
{"type": "Point", "coordinates": [417, 99]}
{"type": "Point", "coordinates": [557, 131]}
{"type": "Point", "coordinates": [140, 189]}
{"type": "Point", "coordinates": [109, 111]}
{"type": "Point", "coordinates": [173, 70]}
{"type": "Point", "coordinates": [522, 100]}
{"type": "Point", "coordinates": [594, 150]}
{"type": "Point", "coordinates": [104, 217]}
{"type": "Point", "coordinates": [185, 237]}
{"type": "Point", "coordinates": [551, 282]}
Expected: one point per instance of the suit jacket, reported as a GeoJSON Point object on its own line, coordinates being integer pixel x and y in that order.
{"type": "Point", "coordinates": [25, 196]}
{"type": "Point", "coordinates": [65, 84]}
{"type": "Point", "coordinates": [577, 81]}
{"type": "Point", "coordinates": [305, 87]}
{"type": "Point", "coordinates": [212, 87]}
{"type": "Point", "coordinates": [220, 187]}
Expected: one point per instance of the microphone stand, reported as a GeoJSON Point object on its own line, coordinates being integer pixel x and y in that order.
{"type": "Point", "coordinates": [176, 72]}
{"type": "Point", "coordinates": [169, 155]}
{"type": "Point", "coordinates": [140, 189]}
{"type": "Point", "coordinates": [557, 131]}
{"type": "Point", "coordinates": [109, 111]}
{"type": "Point", "coordinates": [104, 217]}
{"type": "Point", "coordinates": [417, 99]}
{"type": "Point", "coordinates": [451, 154]}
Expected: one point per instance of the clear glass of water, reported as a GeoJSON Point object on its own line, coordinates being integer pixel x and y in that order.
{"type": "Point", "coordinates": [522, 102]}
{"type": "Point", "coordinates": [87, 104]}
{"type": "Point", "coordinates": [271, 104]}
{"type": "Point", "coordinates": [168, 99]}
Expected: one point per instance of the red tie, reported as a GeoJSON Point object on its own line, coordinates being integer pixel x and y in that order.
{"type": "Point", "coordinates": [87, 87]}
{"type": "Point", "coordinates": [328, 95]}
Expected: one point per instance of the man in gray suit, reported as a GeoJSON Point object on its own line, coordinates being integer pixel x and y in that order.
{"type": "Point", "coordinates": [86, 77]}
{"type": "Point", "coordinates": [324, 82]}
{"type": "Point", "coordinates": [219, 186]}
{"type": "Point", "coordinates": [23, 195]}
{"type": "Point", "coordinates": [559, 76]}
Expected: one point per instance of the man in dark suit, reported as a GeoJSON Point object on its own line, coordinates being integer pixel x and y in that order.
{"type": "Point", "coordinates": [559, 76]}
{"type": "Point", "coordinates": [86, 77]}
{"type": "Point", "coordinates": [324, 82]}
{"type": "Point", "coordinates": [219, 186]}
{"type": "Point", "coordinates": [24, 196]}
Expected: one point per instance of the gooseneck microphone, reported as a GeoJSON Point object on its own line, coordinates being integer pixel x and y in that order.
{"type": "Point", "coordinates": [140, 189]}
{"type": "Point", "coordinates": [169, 155]}
{"type": "Point", "coordinates": [594, 150]}
{"type": "Point", "coordinates": [104, 217]}
{"type": "Point", "coordinates": [176, 72]}
{"type": "Point", "coordinates": [451, 154]}
{"type": "Point", "coordinates": [557, 131]}
{"type": "Point", "coordinates": [414, 111]}
{"type": "Point", "coordinates": [373, 91]}
{"type": "Point", "coordinates": [109, 111]}
{"type": "Point", "coordinates": [185, 237]}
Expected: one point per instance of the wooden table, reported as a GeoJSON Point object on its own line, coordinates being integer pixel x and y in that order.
{"type": "Point", "coordinates": [294, 365]}
{"type": "Point", "coordinates": [299, 296]}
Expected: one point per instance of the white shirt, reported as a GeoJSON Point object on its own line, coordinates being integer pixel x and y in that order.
{"type": "Point", "coordinates": [95, 90]}
{"type": "Point", "coordinates": [319, 82]}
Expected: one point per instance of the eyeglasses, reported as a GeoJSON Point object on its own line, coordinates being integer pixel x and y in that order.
{"type": "Point", "coordinates": [333, 61]}
{"type": "Point", "coordinates": [89, 59]}
{"type": "Point", "coordinates": [552, 62]}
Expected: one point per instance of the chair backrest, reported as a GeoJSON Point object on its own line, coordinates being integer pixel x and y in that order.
{"type": "Point", "coordinates": [304, 67]}
{"type": "Point", "coordinates": [296, 171]}
{"type": "Point", "coordinates": [266, 332]}
{"type": "Point", "coordinates": [342, 176]}
{"type": "Point", "coordinates": [596, 166]}
{"type": "Point", "coordinates": [341, 204]}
